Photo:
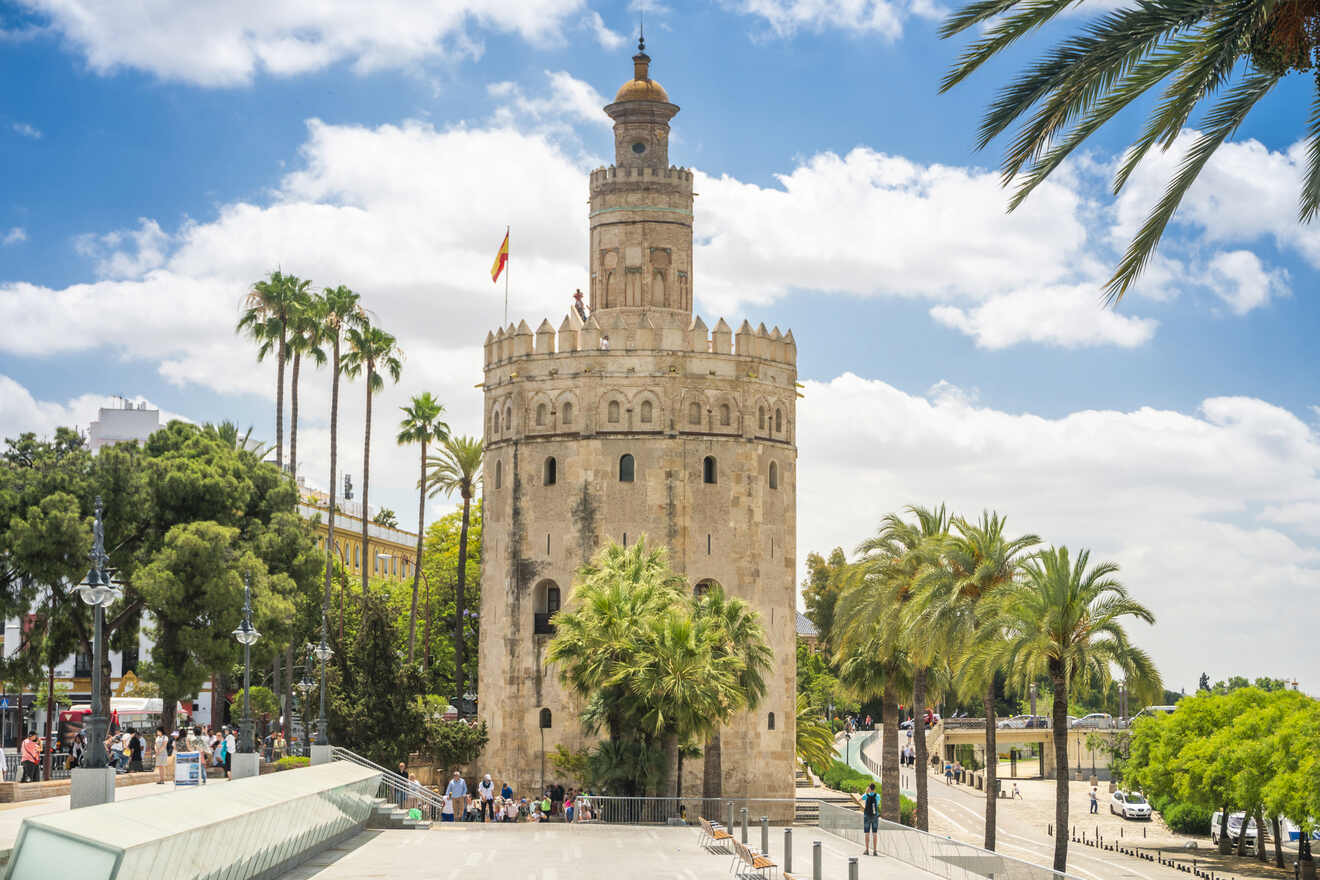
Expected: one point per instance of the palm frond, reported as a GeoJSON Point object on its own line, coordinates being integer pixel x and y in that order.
{"type": "Point", "coordinates": [1310, 202]}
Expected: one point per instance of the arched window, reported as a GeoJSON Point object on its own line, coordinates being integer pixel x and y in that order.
{"type": "Point", "coordinates": [495, 421]}
{"type": "Point", "coordinates": [540, 415]}
{"type": "Point", "coordinates": [613, 411]}
{"type": "Point", "coordinates": [760, 418]}
{"type": "Point", "coordinates": [772, 720]}
{"type": "Point", "coordinates": [694, 413]}
{"type": "Point", "coordinates": [779, 421]}
{"type": "Point", "coordinates": [551, 600]}
{"type": "Point", "coordinates": [551, 471]}
{"type": "Point", "coordinates": [499, 474]}
{"type": "Point", "coordinates": [568, 413]}
{"type": "Point", "coordinates": [703, 587]}
{"type": "Point", "coordinates": [708, 469]}
{"type": "Point", "coordinates": [626, 468]}
{"type": "Point", "coordinates": [508, 417]}
{"type": "Point", "coordinates": [725, 414]}
{"type": "Point", "coordinates": [357, 555]}
{"type": "Point", "coordinates": [647, 412]}
{"type": "Point", "coordinates": [774, 475]}
{"type": "Point", "coordinates": [545, 719]}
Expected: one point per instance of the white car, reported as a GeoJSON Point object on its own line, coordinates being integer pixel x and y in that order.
{"type": "Point", "coordinates": [1094, 721]}
{"type": "Point", "coordinates": [1129, 805]}
{"type": "Point", "coordinates": [1234, 827]}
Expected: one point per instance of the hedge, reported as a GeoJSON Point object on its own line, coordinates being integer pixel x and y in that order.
{"type": "Point", "coordinates": [840, 777]}
{"type": "Point", "coordinates": [1186, 818]}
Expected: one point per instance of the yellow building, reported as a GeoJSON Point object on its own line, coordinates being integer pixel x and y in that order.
{"type": "Point", "coordinates": [393, 551]}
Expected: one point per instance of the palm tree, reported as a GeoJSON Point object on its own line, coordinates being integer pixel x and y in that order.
{"type": "Point", "coordinates": [1088, 79]}
{"type": "Point", "coordinates": [457, 469]}
{"type": "Point", "coordinates": [268, 309]}
{"type": "Point", "coordinates": [371, 351]}
{"type": "Point", "coordinates": [339, 311]}
{"type": "Point", "coordinates": [873, 661]}
{"type": "Point", "coordinates": [307, 336]}
{"type": "Point", "coordinates": [227, 432]}
{"type": "Point", "coordinates": [975, 564]}
{"type": "Point", "coordinates": [814, 738]}
{"type": "Point", "coordinates": [421, 424]}
{"type": "Point", "coordinates": [1063, 621]}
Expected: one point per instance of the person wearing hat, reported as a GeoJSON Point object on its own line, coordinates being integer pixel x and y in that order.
{"type": "Point", "coordinates": [486, 792]}
{"type": "Point", "coordinates": [457, 789]}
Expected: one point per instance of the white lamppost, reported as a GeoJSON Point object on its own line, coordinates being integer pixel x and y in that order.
{"type": "Point", "coordinates": [247, 762]}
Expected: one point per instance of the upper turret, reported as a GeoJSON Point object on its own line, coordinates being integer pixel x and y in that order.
{"type": "Point", "coordinates": [641, 112]}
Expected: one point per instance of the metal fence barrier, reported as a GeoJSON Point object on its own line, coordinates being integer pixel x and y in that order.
{"type": "Point", "coordinates": [688, 810]}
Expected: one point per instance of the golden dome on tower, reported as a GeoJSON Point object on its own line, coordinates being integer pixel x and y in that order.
{"type": "Point", "coordinates": [641, 87]}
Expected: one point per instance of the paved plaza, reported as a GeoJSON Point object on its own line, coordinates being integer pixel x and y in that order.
{"type": "Point", "coordinates": [562, 852]}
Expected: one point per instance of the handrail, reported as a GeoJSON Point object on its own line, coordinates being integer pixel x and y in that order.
{"type": "Point", "coordinates": [394, 781]}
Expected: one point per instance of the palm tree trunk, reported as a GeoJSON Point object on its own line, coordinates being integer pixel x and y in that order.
{"type": "Point", "coordinates": [293, 415]}
{"type": "Point", "coordinates": [670, 743]}
{"type": "Point", "coordinates": [275, 688]}
{"type": "Point", "coordinates": [366, 488]}
{"type": "Point", "coordinates": [459, 595]}
{"type": "Point", "coordinates": [711, 769]}
{"type": "Point", "coordinates": [417, 566]}
{"type": "Point", "coordinates": [919, 740]}
{"type": "Point", "coordinates": [1059, 724]}
{"type": "Point", "coordinates": [991, 765]}
{"type": "Point", "coordinates": [334, 455]}
{"type": "Point", "coordinates": [279, 403]}
{"type": "Point", "coordinates": [288, 691]}
{"type": "Point", "coordinates": [889, 783]}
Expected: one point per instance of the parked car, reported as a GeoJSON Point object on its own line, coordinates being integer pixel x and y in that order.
{"type": "Point", "coordinates": [1024, 722]}
{"type": "Point", "coordinates": [1129, 805]}
{"type": "Point", "coordinates": [1234, 827]}
{"type": "Point", "coordinates": [1094, 721]}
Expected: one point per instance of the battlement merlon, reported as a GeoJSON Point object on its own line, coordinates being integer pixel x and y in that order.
{"type": "Point", "coordinates": [622, 332]}
{"type": "Point", "coordinates": [604, 176]}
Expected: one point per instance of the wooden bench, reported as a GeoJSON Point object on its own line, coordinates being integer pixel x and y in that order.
{"type": "Point", "coordinates": [758, 863]}
{"type": "Point", "coordinates": [712, 833]}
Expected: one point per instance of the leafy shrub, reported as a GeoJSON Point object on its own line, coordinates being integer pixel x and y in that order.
{"type": "Point", "coordinates": [1187, 818]}
{"type": "Point", "coordinates": [288, 762]}
{"type": "Point", "coordinates": [841, 777]}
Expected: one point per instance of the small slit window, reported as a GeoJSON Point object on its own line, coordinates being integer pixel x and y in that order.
{"type": "Point", "coordinates": [779, 421]}
{"type": "Point", "coordinates": [499, 474]}
{"type": "Point", "coordinates": [694, 413]}
{"type": "Point", "coordinates": [613, 411]}
{"type": "Point", "coordinates": [708, 469]}
{"type": "Point", "coordinates": [774, 475]}
{"type": "Point", "coordinates": [760, 418]}
{"type": "Point", "coordinates": [648, 412]}
{"type": "Point", "coordinates": [508, 417]}
{"type": "Point", "coordinates": [568, 413]}
{"type": "Point", "coordinates": [540, 415]}
{"type": "Point", "coordinates": [725, 415]}
{"type": "Point", "coordinates": [771, 721]}
{"type": "Point", "coordinates": [626, 468]}
{"type": "Point", "coordinates": [551, 471]}
{"type": "Point", "coordinates": [495, 422]}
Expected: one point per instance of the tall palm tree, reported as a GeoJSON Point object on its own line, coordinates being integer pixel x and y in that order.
{"type": "Point", "coordinates": [307, 336]}
{"type": "Point", "coordinates": [1240, 49]}
{"type": "Point", "coordinates": [1064, 621]}
{"type": "Point", "coordinates": [339, 311]}
{"type": "Point", "coordinates": [267, 310]}
{"type": "Point", "coordinates": [914, 548]}
{"type": "Point", "coordinates": [457, 469]}
{"type": "Point", "coordinates": [372, 353]}
{"type": "Point", "coordinates": [952, 600]}
{"type": "Point", "coordinates": [421, 424]}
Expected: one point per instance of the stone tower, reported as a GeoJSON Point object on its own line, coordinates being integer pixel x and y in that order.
{"type": "Point", "coordinates": [636, 419]}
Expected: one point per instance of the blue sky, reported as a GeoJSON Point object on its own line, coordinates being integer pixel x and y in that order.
{"type": "Point", "coordinates": [154, 162]}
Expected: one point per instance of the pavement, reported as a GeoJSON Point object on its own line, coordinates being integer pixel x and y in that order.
{"type": "Point", "coordinates": [573, 852]}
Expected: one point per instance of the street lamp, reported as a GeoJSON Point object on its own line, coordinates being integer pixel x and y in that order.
{"type": "Point", "coordinates": [305, 687]}
{"type": "Point", "coordinates": [323, 653]}
{"type": "Point", "coordinates": [246, 762]}
{"type": "Point", "coordinates": [97, 785]}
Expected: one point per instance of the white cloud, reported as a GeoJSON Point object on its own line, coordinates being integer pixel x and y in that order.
{"type": "Point", "coordinates": [785, 18]}
{"type": "Point", "coordinates": [1168, 495]}
{"type": "Point", "coordinates": [569, 100]}
{"type": "Point", "coordinates": [227, 44]}
{"type": "Point", "coordinates": [28, 131]}
{"type": "Point", "coordinates": [608, 39]}
{"type": "Point", "coordinates": [1241, 281]}
{"type": "Point", "coordinates": [15, 235]}
{"type": "Point", "coordinates": [126, 253]}
{"type": "Point", "coordinates": [1061, 316]}
{"type": "Point", "coordinates": [21, 412]}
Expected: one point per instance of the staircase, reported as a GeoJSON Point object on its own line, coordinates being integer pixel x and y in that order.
{"type": "Point", "coordinates": [384, 815]}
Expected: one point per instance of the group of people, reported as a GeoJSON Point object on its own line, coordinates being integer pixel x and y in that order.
{"type": "Point", "coordinates": [488, 802]}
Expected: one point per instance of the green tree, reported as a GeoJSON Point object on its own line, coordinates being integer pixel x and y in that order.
{"type": "Point", "coordinates": [268, 310]}
{"type": "Point", "coordinates": [824, 582]}
{"type": "Point", "coordinates": [955, 599]}
{"type": "Point", "coordinates": [445, 540]}
{"type": "Point", "coordinates": [1204, 683]}
{"type": "Point", "coordinates": [1065, 621]}
{"type": "Point", "coordinates": [449, 743]}
{"type": "Point", "coordinates": [421, 424]}
{"type": "Point", "coordinates": [386, 517]}
{"type": "Point", "coordinates": [457, 469]}
{"type": "Point", "coordinates": [814, 736]}
{"type": "Point", "coordinates": [372, 353]}
{"type": "Point", "coordinates": [1240, 50]}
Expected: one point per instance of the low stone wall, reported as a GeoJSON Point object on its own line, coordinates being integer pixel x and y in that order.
{"type": "Point", "coordinates": [17, 792]}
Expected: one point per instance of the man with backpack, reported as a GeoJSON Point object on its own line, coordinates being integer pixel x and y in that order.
{"type": "Point", "coordinates": [870, 821]}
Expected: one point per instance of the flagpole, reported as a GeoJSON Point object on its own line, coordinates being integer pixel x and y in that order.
{"type": "Point", "coordinates": [506, 278]}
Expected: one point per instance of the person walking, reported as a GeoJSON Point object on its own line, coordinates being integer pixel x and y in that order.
{"type": "Point", "coordinates": [228, 748]}
{"type": "Point", "coordinates": [486, 793]}
{"type": "Point", "coordinates": [457, 789]}
{"type": "Point", "coordinates": [568, 806]}
{"type": "Point", "coordinates": [279, 745]}
{"type": "Point", "coordinates": [161, 751]}
{"type": "Point", "coordinates": [447, 810]}
{"type": "Point", "coordinates": [1095, 801]}
{"type": "Point", "coordinates": [870, 820]}
{"type": "Point", "coordinates": [30, 756]}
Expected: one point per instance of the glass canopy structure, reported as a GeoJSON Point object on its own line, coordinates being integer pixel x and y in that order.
{"type": "Point", "coordinates": [247, 828]}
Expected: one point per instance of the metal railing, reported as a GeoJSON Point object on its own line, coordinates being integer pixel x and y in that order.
{"type": "Point", "coordinates": [613, 810]}
{"type": "Point", "coordinates": [397, 789]}
{"type": "Point", "coordinates": [938, 856]}
{"type": "Point", "coordinates": [60, 765]}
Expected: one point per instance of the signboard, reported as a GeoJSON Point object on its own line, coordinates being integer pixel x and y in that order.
{"type": "Point", "coordinates": [187, 768]}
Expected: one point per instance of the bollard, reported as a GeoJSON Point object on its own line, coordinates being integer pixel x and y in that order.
{"type": "Point", "coordinates": [788, 850]}
{"type": "Point", "coordinates": [765, 836]}
{"type": "Point", "coordinates": [743, 813]}
{"type": "Point", "coordinates": [1049, 830]}
{"type": "Point", "coordinates": [729, 824]}
{"type": "Point", "coordinates": [852, 868]}
{"type": "Point", "coordinates": [815, 860]}
{"type": "Point", "coordinates": [1143, 830]}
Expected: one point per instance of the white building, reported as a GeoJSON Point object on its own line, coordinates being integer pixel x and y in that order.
{"type": "Point", "coordinates": [120, 424]}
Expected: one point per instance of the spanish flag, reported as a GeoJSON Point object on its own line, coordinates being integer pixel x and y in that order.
{"type": "Point", "coordinates": [501, 258]}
